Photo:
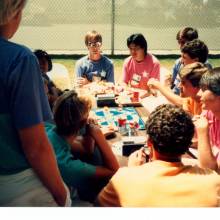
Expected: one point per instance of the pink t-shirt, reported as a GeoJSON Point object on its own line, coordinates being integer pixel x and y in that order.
{"type": "Point", "coordinates": [138, 73]}
{"type": "Point", "coordinates": [214, 131]}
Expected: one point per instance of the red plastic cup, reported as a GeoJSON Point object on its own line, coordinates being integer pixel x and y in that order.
{"type": "Point", "coordinates": [135, 96]}
{"type": "Point", "coordinates": [122, 121]}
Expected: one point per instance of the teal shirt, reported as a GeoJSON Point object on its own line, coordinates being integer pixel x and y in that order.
{"type": "Point", "coordinates": [74, 172]}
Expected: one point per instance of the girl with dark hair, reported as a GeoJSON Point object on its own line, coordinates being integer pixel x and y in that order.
{"type": "Point", "coordinates": [208, 125]}
{"type": "Point", "coordinates": [86, 162]}
{"type": "Point", "coordinates": [140, 66]}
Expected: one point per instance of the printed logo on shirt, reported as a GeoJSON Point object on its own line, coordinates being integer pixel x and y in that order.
{"type": "Point", "coordinates": [145, 74]}
{"type": "Point", "coordinates": [103, 74]}
{"type": "Point", "coordinates": [140, 81]}
{"type": "Point", "coordinates": [96, 77]}
{"type": "Point", "coordinates": [135, 79]}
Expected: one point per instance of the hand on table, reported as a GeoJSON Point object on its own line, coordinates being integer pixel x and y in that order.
{"type": "Point", "coordinates": [146, 94]}
{"type": "Point", "coordinates": [81, 81]}
{"type": "Point", "coordinates": [149, 92]}
{"type": "Point", "coordinates": [153, 83]}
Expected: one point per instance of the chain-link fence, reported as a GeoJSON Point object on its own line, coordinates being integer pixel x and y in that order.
{"type": "Point", "coordinates": [56, 25]}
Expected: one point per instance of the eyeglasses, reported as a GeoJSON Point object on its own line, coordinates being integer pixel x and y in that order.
{"type": "Point", "coordinates": [94, 44]}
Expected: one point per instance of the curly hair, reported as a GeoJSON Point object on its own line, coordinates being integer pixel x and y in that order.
{"type": "Point", "coordinates": [196, 49]}
{"type": "Point", "coordinates": [211, 81]}
{"type": "Point", "coordinates": [70, 113]}
{"type": "Point", "coordinates": [170, 130]}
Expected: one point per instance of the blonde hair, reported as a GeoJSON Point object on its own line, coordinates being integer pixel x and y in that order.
{"type": "Point", "coordinates": [87, 100]}
{"type": "Point", "coordinates": [93, 36]}
{"type": "Point", "coordinates": [71, 112]}
{"type": "Point", "coordinates": [9, 8]}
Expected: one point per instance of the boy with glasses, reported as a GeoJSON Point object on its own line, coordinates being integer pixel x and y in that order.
{"type": "Point", "coordinates": [94, 66]}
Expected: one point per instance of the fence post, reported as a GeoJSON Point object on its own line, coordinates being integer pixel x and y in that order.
{"type": "Point", "coordinates": [113, 28]}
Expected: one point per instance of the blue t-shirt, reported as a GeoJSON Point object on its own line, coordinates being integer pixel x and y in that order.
{"type": "Point", "coordinates": [23, 102]}
{"type": "Point", "coordinates": [103, 68]}
{"type": "Point", "coordinates": [176, 70]}
{"type": "Point", "coordinates": [175, 81]}
{"type": "Point", "coordinates": [74, 172]}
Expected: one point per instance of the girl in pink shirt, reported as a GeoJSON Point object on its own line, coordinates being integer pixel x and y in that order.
{"type": "Point", "coordinates": [208, 125]}
{"type": "Point", "coordinates": [140, 66]}
{"type": "Point", "coordinates": [214, 128]}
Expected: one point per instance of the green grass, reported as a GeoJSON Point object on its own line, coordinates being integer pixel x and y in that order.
{"type": "Point", "coordinates": [69, 63]}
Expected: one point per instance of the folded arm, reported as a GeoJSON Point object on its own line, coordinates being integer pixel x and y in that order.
{"type": "Point", "coordinates": [205, 154]}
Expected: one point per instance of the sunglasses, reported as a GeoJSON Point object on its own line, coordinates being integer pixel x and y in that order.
{"type": "Point", "coordinates": [94, 44]}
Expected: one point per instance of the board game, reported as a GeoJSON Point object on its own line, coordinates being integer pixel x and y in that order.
{"type": "Point", "coordinates": [108, 117]}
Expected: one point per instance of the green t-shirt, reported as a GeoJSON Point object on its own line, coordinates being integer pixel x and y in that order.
{"type": "Point", "coordinates": [74, 172]}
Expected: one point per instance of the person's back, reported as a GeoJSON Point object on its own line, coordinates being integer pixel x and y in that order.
{"type": "Point", "coordinates": [23, 110]}
{"type": "Point", "coordinates": [9, 56]}
{"type": "Point", "coordinates": [84, 157]}
{"type": "Point", "coordinates": [162, 184]}
{"type": "Point", "coordinates": [165, 181]}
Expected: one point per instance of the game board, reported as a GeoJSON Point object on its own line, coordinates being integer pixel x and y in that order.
{"type": "Point", "coordinates": [109, 116]}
